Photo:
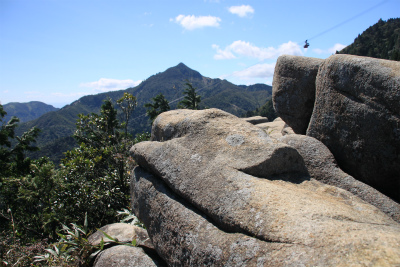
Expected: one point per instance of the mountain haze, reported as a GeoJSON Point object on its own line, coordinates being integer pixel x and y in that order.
{"type": "Point", "coordinates": [57, 127]}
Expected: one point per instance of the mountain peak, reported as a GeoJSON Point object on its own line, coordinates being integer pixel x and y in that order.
{"type": "Point", "coordinates": [182, 71]}
{"type": "Point", "coordinates": [183, 68]}
{"type": "Point", "coordinates": [181, 65]}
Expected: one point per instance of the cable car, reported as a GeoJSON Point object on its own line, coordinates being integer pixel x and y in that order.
{"type": "Point", "coordinates": [306, 45]}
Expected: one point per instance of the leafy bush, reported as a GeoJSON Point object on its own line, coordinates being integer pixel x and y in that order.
{"type": "Point", "coordinates": [93, 179]}
{"type": "Point", "coordinates": [72, 249]}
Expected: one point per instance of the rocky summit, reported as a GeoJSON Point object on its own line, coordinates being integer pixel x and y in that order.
{"type": "Point", "coordinates": [356, 112]}
{"type": "Point", "coordinates": [213, 189]}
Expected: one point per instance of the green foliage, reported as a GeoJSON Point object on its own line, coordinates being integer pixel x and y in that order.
{"type": "Point", "coordinates": [95, 175]}
{"type": "Point", "coordinates": [31, 199]}
{"type": "Point", "coordinates": [127, 103]}
{"type": "Point", "coordinates": [93, 179]}
{"type": "Point", "coordinates": [191, 99]}
{"type": "Point", "coordinates": [73, 248]}
{"type": "Point", "coordinates": [382, 40]}
{"type": "Point", "coordinates": [12, 158]}
{"type": "Point", "coordinates": [130, 218]}
{"type": "Point", "coordinates": [99, 130]}
{"type": "Point", "coordinates": [21, 163]}
{"type": "Point", "coordinates": [159, 105]}
{"type": "Point", "coordinates": [140, 137]}
{"type": "Point", "coordinates": [267, 110]}
{"type": "Point", "coordinates": [25, 185]}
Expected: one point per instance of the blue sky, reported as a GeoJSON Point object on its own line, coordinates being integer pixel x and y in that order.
{"type": "Point", "coordinates": [57, 51]}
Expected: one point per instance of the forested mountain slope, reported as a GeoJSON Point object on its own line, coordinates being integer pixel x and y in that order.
{"type": "Point", "coordinates": [58, 126]}
{"type": "Point", "coordinates": [27, 111]}
{"type": "Point", "coordinates": [381, 40]}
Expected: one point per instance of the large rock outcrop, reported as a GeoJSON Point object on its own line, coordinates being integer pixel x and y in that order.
{"type": "Point", "coordinates": [356, 113]}
{"type": "Point", "coordinates": [293, 92]}
{"type": "Point", "coordinates": [213, 189]}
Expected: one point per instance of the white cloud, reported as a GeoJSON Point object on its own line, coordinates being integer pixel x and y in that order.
{"type": "Point", "coordinates": [332, 50]}
{"type": "Point", "coordinates": [336, 47]}
{"type": "Point", "coordinates": [241, 11]}
{"type": "Point", "coordinates": [192, 22]}
{"type": "Point", "coordinates": [242, 48]}
{"type": "Point", "coordinates": [104, 84]}
{"type": "Point", "coordinates": [256, 71]}
{"type": "Point", "coordinates": [290, 48]}
{"type": "Point", "coordinates": [222, 54]}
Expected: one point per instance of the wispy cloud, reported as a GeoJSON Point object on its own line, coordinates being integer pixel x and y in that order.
{"type": "Point", "coordinates": [222, 54]}
{"type": "Point", "coordinates": [242, 11]}
{"type": "Point", "coordinates": [332, 50]}
{"type": "Point", "coordinates": [242, 48]}
{"type": "Point", "coordinates": [105, 85]}
{"type": "Point", "coordinates": [256, 71]}
{"type": "Point", "coordinates": [192, 22]}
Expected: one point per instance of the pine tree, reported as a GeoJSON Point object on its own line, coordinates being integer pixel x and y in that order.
{"type": "Point", "coordinates": [191, 99]}
{"type": "Point", "coordinates": [159, 105]}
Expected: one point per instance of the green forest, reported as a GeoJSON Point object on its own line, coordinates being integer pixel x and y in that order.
{"type": "Point", "coordinates": [382, 40]}
{"type": "Point", "coordinates": [38, 200]}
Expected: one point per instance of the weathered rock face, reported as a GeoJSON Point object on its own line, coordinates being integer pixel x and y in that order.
{"type": "Point", "coordinates": [213, 189]}
{"type": "Point", "coordinates": [125, 256]}
{"type": "Point", "coordinates": [123, 232]}
{"type": "Point", "coordinates": [356, 112]}
{"type": "Point", "coordinates": [322, 166]}
{"type": "Point", "coordinates": [357, 116]}
{"type": "Point", "coordinates": [276, 129]}
{"type": "Point", "coordinates": [294, 90]}
{"type": "Point", "coordinates": [184, 236]}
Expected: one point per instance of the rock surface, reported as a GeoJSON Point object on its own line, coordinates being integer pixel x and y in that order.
{"type": "Point", "coordinates": [276, 129]}
{"type": "Point", "coordinates": [123, 232]}
{"type": "Point", "coordinates": [183, 236]}
{"type": "Point", "coordinates": [322, 166]}
{"type": "Point", "coordinates": [125, 256]}
{"type": "Point", "coordinates": [357, 116]}
{"type": "Point", "coordinates": [218, 191]}
{"type": "Point", "coordinates": [356, 112]}
{"type": "Point", "coordinates": [293, 90]}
